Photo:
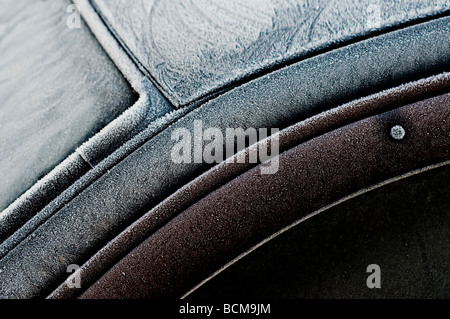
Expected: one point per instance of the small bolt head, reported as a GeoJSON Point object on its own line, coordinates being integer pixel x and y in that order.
{"type": "Point", "coordinates": [398, 132]}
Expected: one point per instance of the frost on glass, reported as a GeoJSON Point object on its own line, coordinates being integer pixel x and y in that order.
{"type": "Point", "coordinates": [193, 47]}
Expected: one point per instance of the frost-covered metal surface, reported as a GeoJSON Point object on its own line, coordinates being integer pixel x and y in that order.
{"type": "Point", "coordinates": [193, 47]}
{"type": "Point", "coordinates": [57, 89]}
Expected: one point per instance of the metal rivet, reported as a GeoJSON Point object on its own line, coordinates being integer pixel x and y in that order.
{"type": "Point", "coordinates": [398, 132]}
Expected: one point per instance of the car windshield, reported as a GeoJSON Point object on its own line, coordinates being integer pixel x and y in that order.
{"type": "Point", "coordinates": [193, 48]}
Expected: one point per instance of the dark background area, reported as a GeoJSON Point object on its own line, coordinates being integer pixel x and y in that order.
{"type": "Point", "coordinates": [404, 227]}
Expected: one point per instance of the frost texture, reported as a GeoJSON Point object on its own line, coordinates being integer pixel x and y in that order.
{"type": "Point", "coordinates": [57, 89]}
{"type": "Point", "coordinates": [194, 47]}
